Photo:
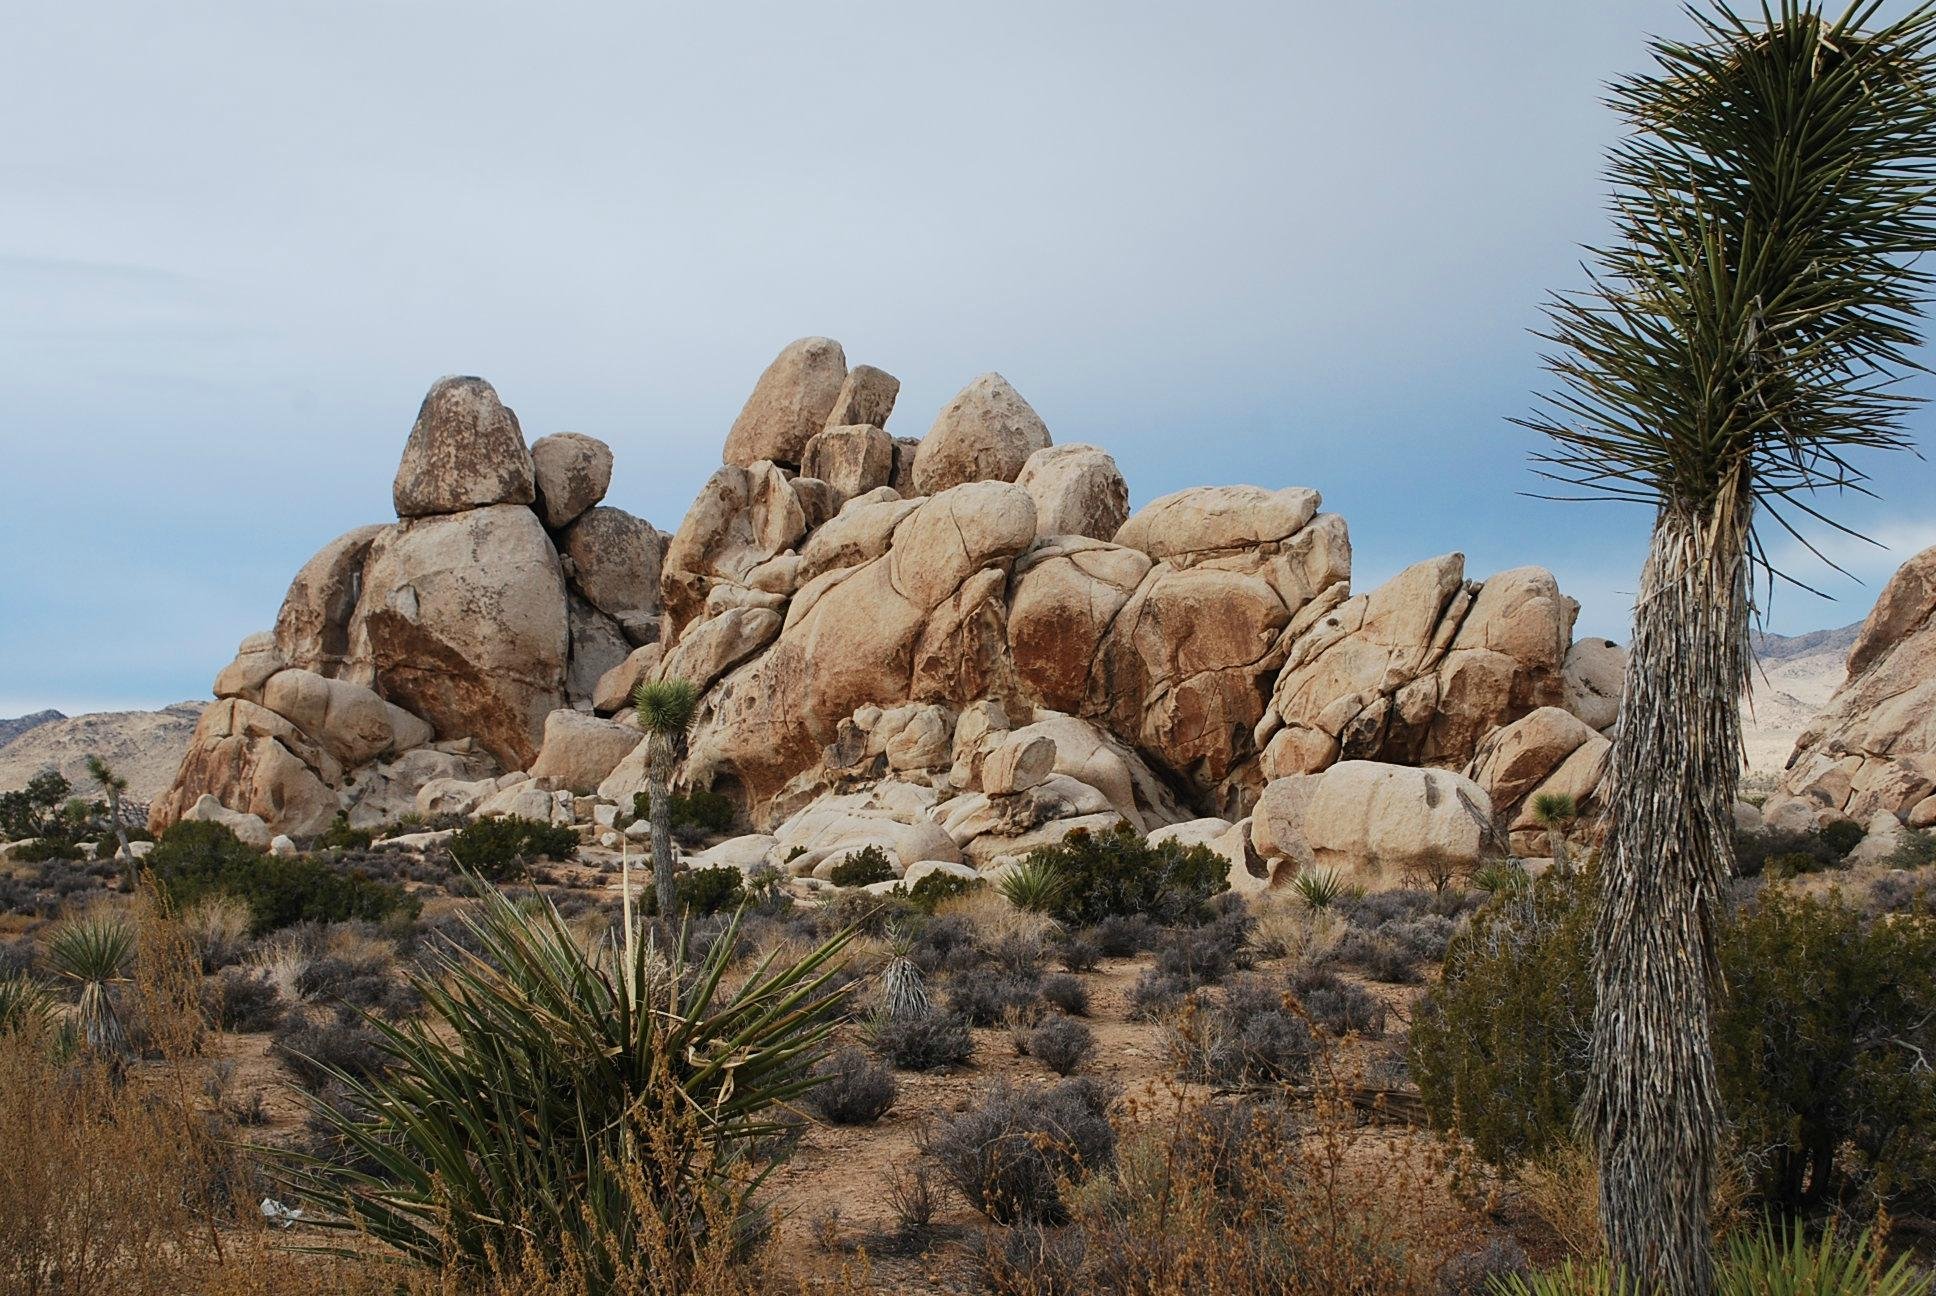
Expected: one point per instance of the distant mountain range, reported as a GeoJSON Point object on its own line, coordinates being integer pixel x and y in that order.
{"type": "Point", "coordinates": [145, 747]}
{"type": "Point", "coordinates": [1774, 647]}
{"type": "Point", "coordinates": [12, 729]}
{"type": "Point", "coordinates": [1794, 677]}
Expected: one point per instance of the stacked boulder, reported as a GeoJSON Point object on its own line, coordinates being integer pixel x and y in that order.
{"type": "Point", "coordinates": [1870, 756]}
{"type": "Point", "coordinates": [953, 649]}
{"type": "Point", "coordinates": [437, 646]}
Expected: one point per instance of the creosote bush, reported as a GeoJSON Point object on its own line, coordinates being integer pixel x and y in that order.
{"type": "Point", "coordinates": [851, 1088]}
{"type": "Point", "coordinates": [1118, 873]}
{"type": "Point", "coordinates": [194, 860]}
{"type": "Point", "coordinates": [500, 850]}
{"type": "Point", "coordinates": [1010, 1155]}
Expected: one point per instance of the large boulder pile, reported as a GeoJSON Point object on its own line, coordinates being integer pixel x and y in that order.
{"type": "Point", "coordinates": [953, 649]}
{"type": "Point", "coordinates": [1872, 751]}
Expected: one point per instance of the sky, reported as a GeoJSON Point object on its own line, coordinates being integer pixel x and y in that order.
{"type": "Point", "coordinates": [1282, 243]}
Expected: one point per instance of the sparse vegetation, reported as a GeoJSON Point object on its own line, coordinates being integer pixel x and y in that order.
{"type": "Point", "coordinates": [500, 850]}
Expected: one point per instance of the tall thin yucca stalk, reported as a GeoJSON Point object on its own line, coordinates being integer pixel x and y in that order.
{"type": "Point", "coordinates": [1742, 336]}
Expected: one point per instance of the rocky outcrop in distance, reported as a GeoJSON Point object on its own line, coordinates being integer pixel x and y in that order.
{"type": "Point", "coordinates": [955, 648]}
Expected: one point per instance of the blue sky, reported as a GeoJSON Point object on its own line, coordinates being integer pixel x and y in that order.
{"type": "Point", "coordinates": [1280, 243]}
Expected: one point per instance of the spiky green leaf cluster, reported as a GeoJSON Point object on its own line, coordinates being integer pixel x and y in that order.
{"type": "Point", "coordinates": [665, 708]}
{"type": "Point", "coordinates": [560, 1104]}
{"type": "Point", "coordinates": [1747, 328]}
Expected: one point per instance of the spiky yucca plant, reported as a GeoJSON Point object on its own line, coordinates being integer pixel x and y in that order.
{"type": "Point", "coordinates": [1778, 1260]}
{"type": "Point", "coordinates": [1741, 340]}
{"type": "Point", "coordinates": [904, 990]}
{"type": "Point", "coordinates": [571, 1109]}
{"type": "Point", "coordinates": [1034, 884]}
{"type": "Point", "coordinates": [1556, 812]}
{"type": "Point", "coordinates": [24, 1005]}
{"type": "Point", "coordinates": [665, 710]}
{"type": "Point", "coordinates": [95, 954]}
{"type": "Point", "coordinates": [1319, 888]}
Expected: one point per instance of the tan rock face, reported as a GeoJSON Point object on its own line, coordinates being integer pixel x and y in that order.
{"type": "Point", "coordinates": [986, 433]}
{"type": "Point", "coordinates": [1423, 667]}
{"type": "Point", "coordinates": [1077, 489]}
{"type": "Point", "coordinates": [464, 452]}
{"type": "Point", "coordinates": [255, 661]}
{"type": "Point", "coordinates": [789, 404]}
{"type": "Point", "coordinates": [1067, 593]}
{"type": "Point", "coordinates": [719, 643]}
{"type": "Point", "coordinates": [313, 627]}
{"type": "Point", "coordinates": [1377, 824]}
{"type": "Point", "coordinates": [347, 720]}
{"type": "Point", "coordinates": [1594, 677]}
{"type": "Point", "coordinates": [252, 761]}
{"type": "Point", "coordinates": [852, 459]}
{"type": "Point", "coordinates": [866, 398]}
{"type": "Point", "coordinates": [463, 622]}
{"type": "Point", "coordinates": [597, 646]}
{"type": "Point", "coordinates": [572, 472]}
{"type": "Point", "coordinates": [616, 686]}
{"type": "Point", "coordinates": [1548, 751]}
{"type": "Point", "coordinates": [615, 561]}
{"type": "Point", "coordinates": [1018, 764]}
{"type": "Point", "coordinates": [581, 750]}
{"type": "Point", "coordinates": [1873, 749]}
{"type": "Point", "coordinates": [1209, 520]}
{"type": "Point", "coordinates": [742, 519]}
{"type": "Point", "coordinates": [861, 531]}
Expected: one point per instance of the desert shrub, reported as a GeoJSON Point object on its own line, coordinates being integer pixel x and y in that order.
{"type": "Point", "coordinates": [1248, 1035]}
{"type": "Point", "coordinates": [1374, 909]}
{"type": "Point", "coordinates": [319, 1048]}
{"type": "Point", "coordinates": [1123, 935]}
{"type": "Point", "coordinates": [242, 999]}
{"type": "Point", "coordinates": [1499, 1047]}
{"type": "Point", "coordinates": [1066, 993]}
{"type": "Point", "coordinates": [1337, 1005]}
{"type": "Point", "coordinates": [1118, 872]}
{"type": "Point", "coordinates": [1030, 1260]}
{"type": "Point", "coordinates": [863, 867]}
{"type": "Point", "coordinates": [1019, 953]}
{"type": "Point", "coordinates": [1790, 852]}
{"type": "Point", "coordinates": [568, 1083]}
{"type": "Point", "coordinates": [934, 888]}
{"type": "Point", "coordinates": [945, 941]}
{"type": "Point", "coordinates": [1478, 1273]}
{"type": "Point", "coordinates": [921, 1043]}
{"type": "Point", "coordinates": [1822, 1046]}
{"type": "Point", "coordinates": [43, 849]}
{"type": "Point", "coordinates": [1010, 1155]}
{"type": "Point", "coordinates": [1818, 1041]}
{"type": "Point", "coordinates": [369, 986]}
{"type": "Point", "coordinates": [1079, 954]}
{"type": "Point", "coordinates": [501, 849]}
{"type": "Point", "coordinates": [1377, 956]}
{"type": "Point", "coordinates": [1842, 836]}
{"type": "Point", "coordinates": [218, 928]}
{"type": "Point", "coordinates": [702, 891]}
{"type": "Point", "coordinates": [35, 810]}
{"type": "Point", "coordinates": [1899, 892]}
{"type": "Point", "coordinates": [1188, 958]}
{"type": "Point", "coordinates": [194, 860]}
{"type": "Point", "coordinates": [1917, 850]}
{"type": "Point", "coordinates": [705, 812]}
{"type": "Point", "coordinates": [851, 1089]}
{"type": "Point", "coordinates": [991, 1000]}
{"type": "Point", "coordinates": [1062, 1044]}
{"type": "Point", "coordinates": [340, 836]}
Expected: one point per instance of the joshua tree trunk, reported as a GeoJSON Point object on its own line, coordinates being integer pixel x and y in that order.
{"type": "Point", "coordinates": [658, 780]}
{"type": "Point", "coordinates": [1653, 1106]}
{"type": "Point", "coordinates": [121, 830]}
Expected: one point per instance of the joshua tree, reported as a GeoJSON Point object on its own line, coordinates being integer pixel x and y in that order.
{"type": "Point", "coordinates": [1555, 812]}
{"type": "Point", "coordinates": [114, 785]}
{"type": "Point", "coordinates": [1744, 333]}
{"type": "Point", "coordinates": [665, 709]}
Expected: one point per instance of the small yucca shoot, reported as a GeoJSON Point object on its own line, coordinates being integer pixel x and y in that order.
{"type": "Point", "coordinates": [1320, 888]}
{"type": "Point", "coordinates": [95, 953]}
{"type": "Point", "coordinates": [904, 991]}
{"type": "Point", "coordinates": [23, 1004]}
{"type": "Point", "coordinates": [1035, 884]}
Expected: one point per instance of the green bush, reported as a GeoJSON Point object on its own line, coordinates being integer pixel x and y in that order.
{"type": "Point", "coordinates": [42, 849]}
{"type": "Point", "coordinates": [703, 891]}
{"type": "Point", "coordinates": [498, 849]}
{"type": "Point", "coordinates": [195, 859]}
{"type": "Point", "coordinates": [1918, 848]}
{"type": "Point", "coordinates": [1823, 1048]}
{"type": "Point", "coordinates": [940, 886]}
{"type": "Point", "coordinates": [1118, 873]}
{"type": "Point", "coordinates": [706, 811]}
{"type": "Point", "coordinates": [864, 867]}
{"type": "Point", "coordinates": [1785, 853]}
{"type": "Point", "coordinates": [1819, 1041]}
{"type": "Point", "coordinates": [35, 810]}
{"type": "Point", "coordinates": [1842, 836]}
{"type": "Point", "coordinates": [340, 836]}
